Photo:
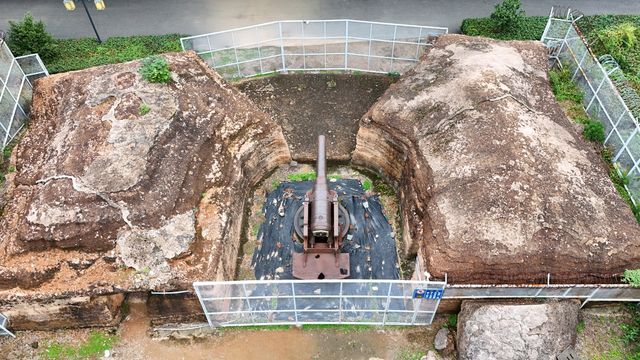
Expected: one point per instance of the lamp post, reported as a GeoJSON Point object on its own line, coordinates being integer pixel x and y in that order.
{"type": "Point", "coordinates": [70, 5]}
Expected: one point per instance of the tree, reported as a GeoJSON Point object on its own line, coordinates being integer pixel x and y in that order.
{"type": "Point", "coordinates": [30, 36]}
{"type": "Point", "coordinates": [508, 14]}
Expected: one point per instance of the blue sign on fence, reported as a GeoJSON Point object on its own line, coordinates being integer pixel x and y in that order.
{"type": "Point", "coordinates": [432, 294]}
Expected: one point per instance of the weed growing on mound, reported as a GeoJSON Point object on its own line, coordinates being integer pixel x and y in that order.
{"type": "Point", "coordinates": [594, 131]}
{"type": "Point", "coordinates": [155, 69]}
{"type": "Point", "coordinates": [144, 109]}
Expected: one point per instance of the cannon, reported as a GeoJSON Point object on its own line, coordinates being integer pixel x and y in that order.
{"type": "Point", "coordinates": [321, 223]}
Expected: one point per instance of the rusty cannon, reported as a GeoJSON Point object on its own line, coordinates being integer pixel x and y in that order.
{"type": "Point", "coordinates": [320, 224]}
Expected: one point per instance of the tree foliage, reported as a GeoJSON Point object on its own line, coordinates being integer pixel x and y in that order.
{"type": "Point", "coordinates": [508, 14]}
{"type": "Point", "coordinates": [29, 36]}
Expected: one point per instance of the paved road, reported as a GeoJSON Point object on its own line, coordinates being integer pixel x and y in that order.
{"type": "Point", "coordinates": [129, 17]}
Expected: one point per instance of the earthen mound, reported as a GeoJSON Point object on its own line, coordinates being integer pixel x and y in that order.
{"type": "Point", "coordinates": [109, 196]}
{"type": "Point", "coordinates": [496, 183]}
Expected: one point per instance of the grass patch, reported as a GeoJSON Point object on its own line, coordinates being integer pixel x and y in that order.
{"type": "Point", "coordinates": [410, 354]}
{"type": "Point", "coordinates": [94, 347]}
{"type": "Point", "coordinates": [366, 185]}
{"type": "Point", "coordinates": [76, 54]}
{"type": "Point", "coordinates": [580, 327]}
{"type": "Point", "coordinates": [302, 176]}
{"type": "Point", "coordinates": [563, 88]}
{"type": "Point", "coordinates": [381, 187]}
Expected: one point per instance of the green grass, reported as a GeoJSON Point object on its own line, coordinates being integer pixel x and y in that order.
{"type": "Point", "coordinates": [563, 88]}
{"type": "Point", "coordinates": [409, 354]}
{"type": "Point", "coordinates": [76, 54]}
{"type": "Point", "coordinates": [93, 348]}
{"type": "Point", "coordinates": [367, 185]}
{"type": "Point", "coordinates": [302, 176]}
{"type": "Point", "coordinates": [580, 327]}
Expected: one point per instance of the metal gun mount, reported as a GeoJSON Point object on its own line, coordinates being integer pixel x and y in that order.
{"type": "Point", "coordinates": [320, 224]}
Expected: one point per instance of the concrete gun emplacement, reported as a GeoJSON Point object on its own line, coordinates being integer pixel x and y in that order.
{"type": "Point", "coordinates": [320, 224]}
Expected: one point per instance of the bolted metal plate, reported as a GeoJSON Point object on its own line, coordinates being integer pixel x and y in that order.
{"type": "Point", "coordinates": [320, 266]}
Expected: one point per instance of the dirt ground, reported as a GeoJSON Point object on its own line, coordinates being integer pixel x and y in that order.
{"type": "Point", "coordinates": [600, 335]}
{"type": "Point", "coordinates": [307, 105]}
{"type": "Point", "coordinates": [278, 344]}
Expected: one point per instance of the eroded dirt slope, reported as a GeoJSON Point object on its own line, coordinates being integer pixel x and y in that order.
{"type": "Point", "coordinates": [109, 198]}
{"type": "Point", "coordinates": [308, 105]}
{"type": "Point", "coordinates": [496, 183]}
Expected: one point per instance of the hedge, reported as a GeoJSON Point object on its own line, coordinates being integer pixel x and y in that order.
{"type": "Point", "coordinates": [76, 54]}
{"type": "Point", "coordinates": [531, 28]}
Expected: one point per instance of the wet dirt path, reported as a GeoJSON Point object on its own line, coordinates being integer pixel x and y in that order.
{"type": "Point", "coordinates": [281, 344]}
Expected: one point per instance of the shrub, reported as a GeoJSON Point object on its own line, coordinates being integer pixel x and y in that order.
{"type": "Point", "coordinates": [76, 54]}
{"type": "Point", "coordinates": [529, 28]}
{"type": "Point", "coordinates": [30, 36]}
{"type": "Point", "coordinates": [594, 131]}
{"type": "Point", "coordinates": [562, 86]}
{"type": "Point", "coordinates": [508, 14]}
{"type": "Point", "coordinates": [155, 69]}
{"type": "Point", "coordinates": [623, 35]}
{"type": "Point", "coordinates": [632, 277]}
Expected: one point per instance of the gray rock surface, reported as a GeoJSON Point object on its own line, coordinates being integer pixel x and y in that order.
{"type": "Point", "coordinates": [508, 331]}
{"type": "Point", "coordinates": [441, 340]}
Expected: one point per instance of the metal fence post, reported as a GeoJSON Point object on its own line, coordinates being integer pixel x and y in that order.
{"type": "Point", "coordinates": [304, 53]}
{"type": "Point", "coordinates": [340, 306]}
{"type": "Point", "coordinates": [369, 53]}
{"type": "Point", "coordinates": [589, 298]}
{"type": "Point", "coordinates": [386, 308]}
{"type": "Point", "coordinates": [393, 47]}
{"type": "Point", "coordinates": [295, 305]}
{"type": "Point", "coordinates": [246, 297]}
{"type": "Point", "coordinates": [284, 64]}
{"type": "Point", "coordinates": [346, 45]}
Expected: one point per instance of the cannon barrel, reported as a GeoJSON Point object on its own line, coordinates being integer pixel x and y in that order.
{"type": "Point", "coordinates": [321, 205]}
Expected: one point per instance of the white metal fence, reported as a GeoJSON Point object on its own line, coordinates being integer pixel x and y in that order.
{"type": "Point", "coordinates": [296, 302]}
{"type": "Point", "coordinates": [368, 302]}
{"type": "Point", "coordinates": [16, 75]}
{"type": "Point", "coordinates": [3, 326]}
{"type": "Point", "coordinates": [602, 100]}
{"type": "Point", "coordinates": [313, 45]}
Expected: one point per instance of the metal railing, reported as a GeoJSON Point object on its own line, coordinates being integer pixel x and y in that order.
{"type": "Point", "coordinates": [16, 75]}
{"type": "Point", "coordinates": [602, 101]}
{"type": "Point", "coordinates": [298, 302]}
{"type": "Point", "coordinates": [313, 45]}
{"type": "Point", "coordinates": [3, 327]}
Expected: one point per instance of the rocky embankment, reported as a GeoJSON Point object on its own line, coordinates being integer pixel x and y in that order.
{"type": "Point", "coordinates": [108, 198]}
{"type": "Point", "coordinates": [497, 184]}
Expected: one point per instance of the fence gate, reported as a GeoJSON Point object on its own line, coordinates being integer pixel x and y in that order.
{"type": "Point", "coordinates": [298, 302]}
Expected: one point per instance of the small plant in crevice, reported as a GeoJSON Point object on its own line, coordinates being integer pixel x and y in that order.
{"type": "Point", "coordinates": [594, 131]}
{"type": "Point", "coordinates": [452, 322]}
{"type": "Point", "coordinates": [155, 69]}
{"type": "Point", "coordinates": [366, 185]}
{"type": "Point", "coordinates": [144, 109]}
{"type": "Point", "coordinates": [632, 277]}
{"type": "Point", "coordinates": [580, 327]}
